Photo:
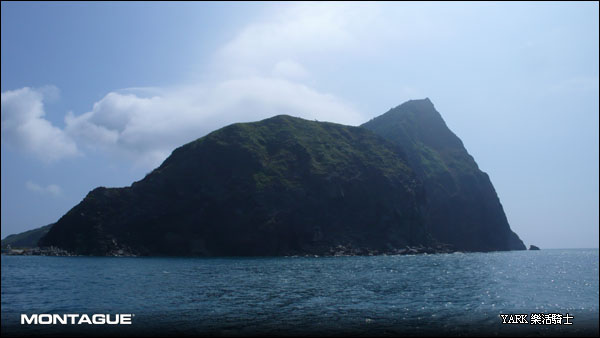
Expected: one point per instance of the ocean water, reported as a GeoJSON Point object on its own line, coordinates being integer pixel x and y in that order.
{"type": "Point", "coordinates": [447, 294]}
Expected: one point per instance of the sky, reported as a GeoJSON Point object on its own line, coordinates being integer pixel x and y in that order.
{"type": "Point", "coordinates": [99, 94]}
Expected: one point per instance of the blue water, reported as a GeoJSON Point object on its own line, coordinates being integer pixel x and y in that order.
{"type": "Point", "coordinates": [453, 294]}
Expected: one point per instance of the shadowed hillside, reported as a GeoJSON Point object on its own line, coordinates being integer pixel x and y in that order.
{"type": "Point", "coordinates": [462, 206]}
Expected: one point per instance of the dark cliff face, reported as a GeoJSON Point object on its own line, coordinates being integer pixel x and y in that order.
{"type": "Point", "coordinates": [463, 208]}
{"type": "Point", "coordinates": [281, 186]}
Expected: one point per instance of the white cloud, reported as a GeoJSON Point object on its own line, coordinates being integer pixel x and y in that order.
{"type": "Point", "coordinates": [301, 30]}
{"type": "Point", "coordinates": [327, 33]}
{"type": "Point", "coordinates": [289, 69]}
{"type": "Point", "coordinates": [147, 129]}
{"type": "Point", "coordinates": [25, 128]}
{"type": "Point", "coordinates": [51, 189]}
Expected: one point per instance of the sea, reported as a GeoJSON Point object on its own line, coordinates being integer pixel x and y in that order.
{"type": "Point", "coordinates": [458, 294]}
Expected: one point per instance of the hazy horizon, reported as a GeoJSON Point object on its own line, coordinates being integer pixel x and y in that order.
{"type": "Point", "coordinates": [99, 94]}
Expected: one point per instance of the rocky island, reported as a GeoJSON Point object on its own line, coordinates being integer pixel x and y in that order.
{"type": "Point", "coordinates": [402, 183]}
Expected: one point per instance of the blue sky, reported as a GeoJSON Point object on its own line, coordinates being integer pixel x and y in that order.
{"type": "Point", "coordinates": [98, 94]}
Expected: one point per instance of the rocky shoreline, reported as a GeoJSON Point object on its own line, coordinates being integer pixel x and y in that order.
{"type": "Point", "coordinates": [45, 251]}
{"type": "Point", "coordinates": [341, 250]}
{"type": "Point", "coordinates": [338, 251]}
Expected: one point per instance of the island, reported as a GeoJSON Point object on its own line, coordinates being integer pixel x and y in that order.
{"type": "Point", "coordinates": [402, 183]}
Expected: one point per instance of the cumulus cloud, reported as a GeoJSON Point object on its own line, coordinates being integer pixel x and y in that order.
{"type": "Point", "coordinates": [147, 129]}
{"type": "Point", "coordinates": [51, 189]}
{"type": "Point", "coordinates": [25, 128]}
